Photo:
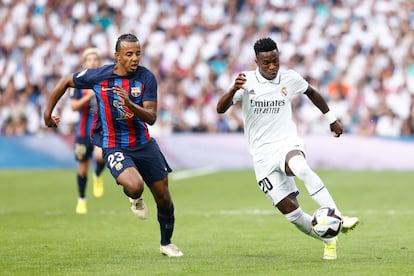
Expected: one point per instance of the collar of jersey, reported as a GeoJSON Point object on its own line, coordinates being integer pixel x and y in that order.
{"type": "Point", "coordinates": [262, 79]}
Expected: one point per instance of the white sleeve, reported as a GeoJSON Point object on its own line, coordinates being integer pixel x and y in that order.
{"type": "Point", "coordinates": [238, 96]}
{"type": "Point", "coordinates": [298, 84]}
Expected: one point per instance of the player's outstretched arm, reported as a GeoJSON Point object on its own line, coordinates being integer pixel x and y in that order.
{"type": "Point", "coordinates": [321, 104]}
{"type": "Point", "coordinates": [227, 99]}
{"type": "Point", "coordinates": [317, 99]}
{"type": "Point", "coordinates": [60, 88]}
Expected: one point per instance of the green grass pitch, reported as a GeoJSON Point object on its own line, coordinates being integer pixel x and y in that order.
{"type": "Point", "coordinates": [224, 226]}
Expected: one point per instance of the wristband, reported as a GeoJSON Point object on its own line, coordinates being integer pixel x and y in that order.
{"type": "Point", "coordinates": [330, 117]}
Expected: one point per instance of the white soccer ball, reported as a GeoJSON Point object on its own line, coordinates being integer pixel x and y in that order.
{"type": "Point", "coordinates": [326, 222]}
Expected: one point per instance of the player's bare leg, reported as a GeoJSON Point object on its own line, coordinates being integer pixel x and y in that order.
{"type": "Point", "coordinates": [133, 185]}
{"type": "Point", "coordinates": [166, 218]}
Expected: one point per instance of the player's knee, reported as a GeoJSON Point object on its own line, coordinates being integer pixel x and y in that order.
{"type": "Point", "coordinates": [133, 191]}
{"type": "Point", "coordinates": [133, 185]}
{"type": "Point", "coordinates": [299, 166]}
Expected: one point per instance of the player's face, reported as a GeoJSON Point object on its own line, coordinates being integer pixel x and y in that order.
{"type": "Point", "coordinates": [128, 57]}
{"type": "Point", "coordinates": [92, 61]}
{"type": "Point", "coordinates": [268, 63]}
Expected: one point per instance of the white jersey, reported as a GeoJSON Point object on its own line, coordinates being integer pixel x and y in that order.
{"type": "Point", "coordinates": [267, 111]}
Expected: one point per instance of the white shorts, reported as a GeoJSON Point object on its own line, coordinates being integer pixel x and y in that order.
{"type": "Point", "coordinates": [270, 169]}
{"type": "Point", "coordinates": [277, 185]}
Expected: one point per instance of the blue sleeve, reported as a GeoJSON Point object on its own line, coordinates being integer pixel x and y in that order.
{"type": "Point", "coordinates": [150, 93]}
{"type": "Point", "coordinates": [84, 79]}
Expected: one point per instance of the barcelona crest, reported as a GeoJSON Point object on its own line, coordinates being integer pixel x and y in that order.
{"type": "Point", "coordinates": [135, 91]}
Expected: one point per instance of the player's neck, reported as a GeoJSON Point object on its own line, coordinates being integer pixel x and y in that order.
{"type": "Point", "coordinates": [120, 71]}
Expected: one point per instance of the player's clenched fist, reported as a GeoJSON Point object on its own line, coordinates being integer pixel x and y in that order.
{"type": "Point", "coordinates": [240, 81]}
{"type": "Point", "coordinates": [51, 121]}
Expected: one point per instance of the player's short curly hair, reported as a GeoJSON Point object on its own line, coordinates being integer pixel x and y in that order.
{"type": "Point", "coordinates": [265, 45]}
{"type": "Point", "coordinates": [125, 37]}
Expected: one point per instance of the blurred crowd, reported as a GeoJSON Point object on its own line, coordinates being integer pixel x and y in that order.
{"type": "Point", "coordinates": [358, 53]}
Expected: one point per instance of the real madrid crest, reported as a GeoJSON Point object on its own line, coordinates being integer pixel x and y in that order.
{"type": "Point", "coordinates": [135, 91]}
{"type": "Point", "coordinates": [284, 91]}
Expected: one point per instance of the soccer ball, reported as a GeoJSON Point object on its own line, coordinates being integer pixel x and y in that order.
{"type": "Point", "coordinates": [326, 222]}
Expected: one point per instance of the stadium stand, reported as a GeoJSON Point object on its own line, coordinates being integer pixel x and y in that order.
{"type": "Point", "coordinates": [358, 53]}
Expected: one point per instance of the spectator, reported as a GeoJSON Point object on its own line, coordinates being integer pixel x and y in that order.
{"type": "Point", "coordinates": [368, 43]}
{"type": "Point", "coordinates": [389, 125]}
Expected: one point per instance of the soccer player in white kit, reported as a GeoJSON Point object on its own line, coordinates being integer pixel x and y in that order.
{"type": "Point", "coordinates": [278, 153]}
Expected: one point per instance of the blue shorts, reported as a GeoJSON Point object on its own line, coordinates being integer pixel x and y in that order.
{"type": "Point", "coordinates": [147, 159]}
{"type": "Point", "coordinates": [83, 148]}
{"type": "Point", "coordinates": [96, 134]}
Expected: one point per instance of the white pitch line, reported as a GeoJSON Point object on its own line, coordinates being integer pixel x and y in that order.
{"type": "Point", "coordinates": [254, 212]}
{"type": "Point", "coordinates": [184, 174]}
{"type": "Point", "coordinates": [247, 212]}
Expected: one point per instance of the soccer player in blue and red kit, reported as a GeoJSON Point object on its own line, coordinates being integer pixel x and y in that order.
{"type": "Point", "coordinates": [83, 100]}
{"type": "Point", "coordinates": [126, 95]}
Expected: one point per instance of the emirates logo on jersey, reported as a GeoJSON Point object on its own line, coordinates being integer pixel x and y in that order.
{"type": "Point", "coordinates": [135, 91]}
{"type": "Point", "coordinates": [284, 91]}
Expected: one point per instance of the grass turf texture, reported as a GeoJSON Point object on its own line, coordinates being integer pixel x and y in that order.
{"type": "Point", "coordinates": [224, 226]}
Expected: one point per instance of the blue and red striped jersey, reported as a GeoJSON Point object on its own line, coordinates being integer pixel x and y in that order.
{"type": "Point", "coordinates": [86, 113]}
{"type": "Point", "coordinates": [120, 128]}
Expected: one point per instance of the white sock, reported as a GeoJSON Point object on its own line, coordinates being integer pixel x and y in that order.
{"type": "Point", "coordinates": [324, 199]}
{"type": "Point", "coordinates": [312, 181]}
{"type": "Point", "coordinates": [302, 221]}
